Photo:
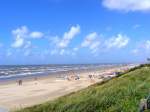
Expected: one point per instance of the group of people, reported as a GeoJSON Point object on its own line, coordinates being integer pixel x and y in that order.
{"type": "Point", "coordinates": [72, 77]}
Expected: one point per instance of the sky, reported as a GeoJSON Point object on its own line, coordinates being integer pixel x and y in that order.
{"type": "Point", "coordinates": [74, 31]}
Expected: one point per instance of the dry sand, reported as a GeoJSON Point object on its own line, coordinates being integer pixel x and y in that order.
{"type": "Point", "coordinates": [33, 92]}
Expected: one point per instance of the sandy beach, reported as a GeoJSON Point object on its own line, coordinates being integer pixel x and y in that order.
{"type": "Point", "coordinates": [42, 89]}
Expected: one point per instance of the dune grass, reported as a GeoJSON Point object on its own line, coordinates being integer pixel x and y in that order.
{"type": "Point", "coordinates": [121, 94]}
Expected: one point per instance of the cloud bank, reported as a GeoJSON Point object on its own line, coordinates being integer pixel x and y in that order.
{"type": "Point", "coordinates": [127, 5]}
{"type": "Point", "coordinates": [64, 45]}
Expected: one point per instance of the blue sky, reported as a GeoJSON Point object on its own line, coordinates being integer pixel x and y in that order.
{"type": "Point", "coordinates": [74, 31]}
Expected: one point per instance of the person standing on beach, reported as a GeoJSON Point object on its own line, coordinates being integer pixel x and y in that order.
{"type": "Point", "coordinates": [20, 82]}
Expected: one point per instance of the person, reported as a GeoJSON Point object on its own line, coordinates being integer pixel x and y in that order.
{"type": "Point", "coordinates": [20, 82]}
{"type": "Point", "coordinates": [77, 77]}
{"type": "Point", "coordinates": [90, 76]}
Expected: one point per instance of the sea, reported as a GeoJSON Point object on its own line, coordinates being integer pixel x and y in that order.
{"type": "Point", "coordinates": [17, 71]}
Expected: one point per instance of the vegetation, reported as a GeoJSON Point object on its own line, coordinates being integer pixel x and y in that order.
{"type": "Point", "coordinates": [121, 94]}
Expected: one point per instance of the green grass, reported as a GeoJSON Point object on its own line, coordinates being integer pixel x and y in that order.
{"type": "Point", "coordinates": [121, 94]}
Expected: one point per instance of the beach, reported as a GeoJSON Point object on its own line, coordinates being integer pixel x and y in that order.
{"type": "Point", "coordinates": [37, 90]}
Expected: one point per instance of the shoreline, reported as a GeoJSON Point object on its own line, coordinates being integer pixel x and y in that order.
{"type": "Point", "coordinates": [57, 74]}
{"type": "Point", "coordinates": [17, 77]}
{"type": "Point", "coordinates": [47, 88]}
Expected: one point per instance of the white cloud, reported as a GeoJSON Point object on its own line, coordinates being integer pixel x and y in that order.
{"type": "Point", "coordinates": [67, 37]}
{"type": "Point", "coordinates": [146, 45]}
{"type": "Point", "coordinates": [127, 5]}
{"type": "Point", "coordinates": [95, 46]}
{"type": "Point", "coordinates": [61, 44]}
{"type": "Point", "coordinates": [119, 41]}
{"type": "Point", "coordinates": [62, 52]}
{"type": "Point", "coordinates": [19, 42]}
{"type": "Point", "coordinates": [91, 41]}
{"type": "Point", "coordinates": [36, 34]}
{"type": "Point", "coordinates": [22, 34]}
{"type": "Point", "coordinates": [28, 45]}
{"type": "Point", "coordinates": [19, 34]}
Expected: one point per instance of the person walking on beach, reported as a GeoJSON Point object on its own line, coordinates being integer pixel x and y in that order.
{"type": "Point", "coordinates": [20, 82]}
